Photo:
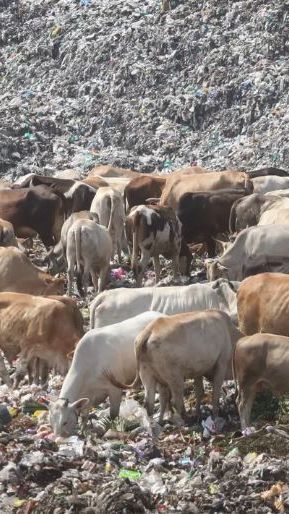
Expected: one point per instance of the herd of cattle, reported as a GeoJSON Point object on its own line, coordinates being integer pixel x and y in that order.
{"type": "Point", "coordinates": [235, 325]}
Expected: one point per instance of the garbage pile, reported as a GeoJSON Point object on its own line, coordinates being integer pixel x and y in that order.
{"type": "Point", "coordinates": [132, 466]}
{"type": "Point", "coordinates": [109, 81]}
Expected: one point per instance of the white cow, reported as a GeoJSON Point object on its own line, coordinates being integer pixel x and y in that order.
{"type": "Point", "coordinates": [279, 192]}
{"type": "Point", "coordinates": [89, 250]}
{"type": "Point", "coordinates": [111, 348]}
{"type": "Point", "coordinates": [116, 305]}
{"type": "Point", "coordinates": [255, 249]}
{"type": "Point", "coordinates": [108, 205]}
{"type": "Point", "coordinates": [270, 183]}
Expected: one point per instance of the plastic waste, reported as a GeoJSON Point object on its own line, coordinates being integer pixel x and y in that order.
{"type": "Point", "coordinates": [153, 481]}
{"type": "Point", "coordinates": [130, 473]}
{"type": "Point", "coordinates": [72, 447]}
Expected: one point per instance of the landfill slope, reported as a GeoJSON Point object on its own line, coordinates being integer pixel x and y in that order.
{"type": "Point", "coordinates": [114, 81]}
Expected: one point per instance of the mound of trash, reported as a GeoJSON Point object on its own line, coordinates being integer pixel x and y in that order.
{"type": "Point", "coordinates": [121, 82]}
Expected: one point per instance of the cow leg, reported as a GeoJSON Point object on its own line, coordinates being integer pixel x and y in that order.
{"type": "Point", "coordinates": [177, 391]}
{"type": "Point", "coordinates": [21, 370]}
{"type": "Point", "coordinates": [217, 385]}
{"type": "Point", "coordinates": [94, 278]}
{"type": "Point", "coordinates": [44, 370]}
{"type": "Point", "coordinates": [150, 385]}
{"type": "Point", "coordinates": [70, 277]}
{"type": "Point", "coordinates": [176, 266]}
{"type": "Point", "coordinates": [141, 267]}
{"type": "Point", "coordinates": [211, 245]}
{"type": "Point", "coordinates": [103, 279]}
{"type": "Point", "coordinates": [199, 390]}
{"type": "Point", "coordinates": [157, 267]}
{"type": "Point", "coordinates": [119, 250]}
{"type": "Point", "coordinates": [245, 402]}
{"type": "Point", "coordinates": [85, 281]}
{"type": "Point", "coordinates": [165, 396]}
{"type": "Point", "coordinates": [114, 401]}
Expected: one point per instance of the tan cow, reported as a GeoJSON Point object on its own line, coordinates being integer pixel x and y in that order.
{"type": "Point", "coordinates": [105, 170]}
{"type": "Point", "coordinates": [153, 231]}
{"type": "Point", "coordinates": [108, 206]}
{"type": "Point", "coordinates": [35, 327]}
{"type": "Point", "coordinates": [263, 304]}
{"type": "Point", "coordinates": [191, 345]}
{"type": "Point", "coordinates": [178, 184]}
{"type": "Point", "coordinates": [18, 274]}
{"type": "Point", "coordinates": [95, 181]}
{"type": "Point", "coordinates": [261, 361]}
{"type": "Point", "coordinates": [7, 234]}
{"type": "Point", "coordinates": [88, 251]}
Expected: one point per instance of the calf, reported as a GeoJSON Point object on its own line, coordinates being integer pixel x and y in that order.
{"type": "Point", "coordinates": [153, 230]}
{"type": "Point", "coordinates": [260, 361]}
{"type": "Point", "coordinates": [89, 249]}
{"type": "Point", "coordinates": [108, 205]}
{"type": "Point", "coordinates": [191, 345]}
{"type": "Point", "coordinates": [205, 215]}
{"type": "Point", "coordinates": [110, 347]}
{"type": "Point", "coordinates": [37, 327]}
{"type": "Point", "coordinates": [19, 275]}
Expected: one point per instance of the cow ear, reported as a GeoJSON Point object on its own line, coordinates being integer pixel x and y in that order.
{"type": "Point", "coordinates": [80, 404]}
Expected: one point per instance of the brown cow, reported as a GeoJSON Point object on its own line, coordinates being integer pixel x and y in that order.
{"type": "Point", "coordinates": [263, 304]}
{"type": "Point", "coordinates": [60, 185]}
{"type": "Point", "coordinates": [205, 215]}
{"type": "Point", "coordinates": [141, 188]}
{"type": "Point", "coordinates": [34, 211]}
{"type": "Point", "coordinates": [76, 194]}
{"type": "Point", "coordinates": [177, 185]}
{"type": "Point", "coordinates": [261, 361]}
{"type": "Point", "coordinates": [18, 274]}
{"type": "Point", "coordinates": [35, 327]}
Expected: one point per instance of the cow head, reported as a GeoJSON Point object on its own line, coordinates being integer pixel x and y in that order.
{"type": "Point", "coordinates": [215, 270]}
{"type": "Point", "coordinates": [63, 415]}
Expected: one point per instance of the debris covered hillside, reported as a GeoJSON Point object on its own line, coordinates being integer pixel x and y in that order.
{"type": "Point", "coordinates": [93, 81]}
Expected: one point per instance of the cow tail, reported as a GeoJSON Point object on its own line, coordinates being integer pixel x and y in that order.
{"type": "Point", "coordinates": [233, 217]}
{"type": "Point", "coordinates": [234, 371]}
{"type": "Point", "coordinates": [1, 234]}
{"type": "Point", "coordinates": [112, 209]}
{"type": "Point", "coordinates": [135, 233]}
{"type": "Point", "coordinates": [125, 201]}
{"type": "Point", "coordinates": [79, 266]}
